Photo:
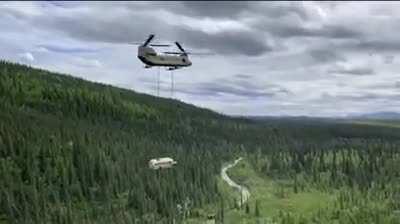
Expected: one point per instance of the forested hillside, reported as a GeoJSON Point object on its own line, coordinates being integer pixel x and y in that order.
{"type": "Point", "coordinates": [73, 151]}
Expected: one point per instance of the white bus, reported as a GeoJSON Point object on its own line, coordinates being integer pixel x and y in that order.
{"type": "Point", "coordinates": [161, 163]}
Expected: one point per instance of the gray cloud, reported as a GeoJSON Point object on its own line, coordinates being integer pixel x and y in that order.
{"type": "Point", "coordinates": [388, 59]}
{"type": "Point", "coordinates": [250, 84]}
{"type": "Point", "coordinates": [236, 9]}
{"type": "Point", "coordinates": [237, 88]}
{"type": "Point", "coordinates": [242, 76]}
{"type": "Point", "coordinates": [397, 84]}
{"type": "Point", "coordinates": [215, 8]}
{"type": "Point", "coordinates": [386, 85]}
{"type": "Point", "coordinates": [377, 45]}
{"type": "Point", "coordinates": [86, 62]}
{"type": "Point", "coordinates": [282, 9]}
{"type": "Point", "coordinates": [294, 44]}
{"type": "Point", "coordinates": [368, 47]}
{"type": "Point", "coordinates": [326, 55]}
{"type": "Point", "coordinates": [225, 42]}
{"type": "Point", "coordinates": [66, 49]}
{"type": "Point", "coordinates": [91, 26]}
{"type": "Point", "coordinates": [351, 71]}
{"type": "Point", "coordinates": [220, 89]}
{"type": "Point", "coordinates": [358, 97]}
{"type": "Point", "coordinates": [326, 31]}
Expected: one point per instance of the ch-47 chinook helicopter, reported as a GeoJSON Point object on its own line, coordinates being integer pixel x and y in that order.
{"type": "Point", "coordinates": [168, 59]}
{"type": "Point", "coordinates": [171, 60]}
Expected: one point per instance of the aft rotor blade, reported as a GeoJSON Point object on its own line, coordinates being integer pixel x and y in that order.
{"type": "Point", "coordinates": [153, 45]}
{"type": "Point", "coordinates": [200, 53]}
{"type": "Point", "coordinates": [148, 40]}
{"type": "Point", "coordinates": [168, 52]}
{"type": "Point", "coordinates": [135, 43]}
{"type": "Point", "coordinates": [160, 45]}
{"type": "Point", "coordinates": [180, 47]}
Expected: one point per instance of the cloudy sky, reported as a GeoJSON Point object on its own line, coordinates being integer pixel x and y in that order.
{"type": "Point", "coordinates": [270, 58]}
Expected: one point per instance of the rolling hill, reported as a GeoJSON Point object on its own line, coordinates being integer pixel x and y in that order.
{"type": "Point", "coordinates": [74, 151]}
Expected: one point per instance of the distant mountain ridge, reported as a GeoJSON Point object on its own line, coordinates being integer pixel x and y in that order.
{"type": "Point", "coordinates": [384, 115]}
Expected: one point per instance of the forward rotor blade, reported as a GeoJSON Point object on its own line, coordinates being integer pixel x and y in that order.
{"type": "Point", "coordinates": [148, 40]}
{"type": "Point", "coordinates": [180, 47]}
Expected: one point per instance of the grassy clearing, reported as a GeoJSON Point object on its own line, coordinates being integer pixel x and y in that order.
{"type": "Point", "coordinates": [229, 195]}
{"type": "Point", "coordinates": [273, 196]}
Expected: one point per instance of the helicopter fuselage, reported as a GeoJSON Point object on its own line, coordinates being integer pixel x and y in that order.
{"type": "Point", "coordinates": [151, 58]}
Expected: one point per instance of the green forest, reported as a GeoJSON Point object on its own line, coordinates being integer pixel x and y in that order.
{"type": "Point", "coordinates": [74, 151]}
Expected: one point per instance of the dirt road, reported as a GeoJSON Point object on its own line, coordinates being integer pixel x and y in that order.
{"type": "Point", "coordinates": [245, 193]}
